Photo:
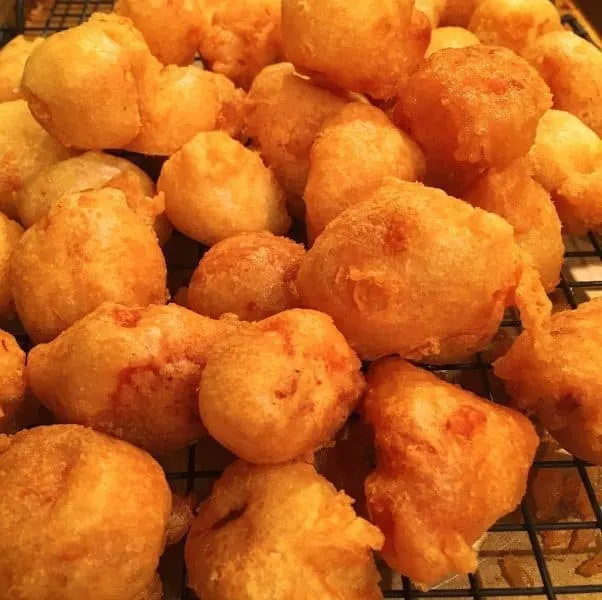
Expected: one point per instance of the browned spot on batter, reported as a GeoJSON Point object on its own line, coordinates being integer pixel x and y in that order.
{"type": "Point", "coordinates": [465, 421]}
{"type": "Point", "coordinates": [127, 317]}
{"type": "Point", "coordinates": [568, 403]}
{"type": "Point", "coordinates": [281, 327]}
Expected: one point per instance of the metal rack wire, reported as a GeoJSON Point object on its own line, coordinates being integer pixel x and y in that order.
{"type": "Point", "coordinates": [190, 475]}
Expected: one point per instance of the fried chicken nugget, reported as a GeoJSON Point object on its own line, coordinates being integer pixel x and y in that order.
{"type": "Point", "coordinates": [280, 532]}
{"type": "Point", "coordinates": [12, 377]}
{"type": "Point", "coordinates": [559, 380]}
{"type": "Point", "coordinates": [251, 275]}
{"type": "Point", "coordinates": [515, 24]}
{"type": "Point", "coordinates": [360, 46]}
{"type": "Point", "coordinates": [242, 38]}
{"type": "Point", "coordinates": [82, 515]}
{"type": "Point", "coordinates": [25, 148]}
{"type": "Point", "coordinates": [449, 464]}
{"type": "Point", "coordinates": [457, 13]}
{"type": "Point", "coordinates": [572, 67]}
{"type": "Point", "coordinates": [171, 28]}
{"type": "Point", "coordinates": [280, 388]}
{"type": "Point", "coordinates": [284, 115]}
{"type": "Point", "coordinates": [88, 249]}
{"type": "Point", "coordinates": [92, 171]}
{"type": "Point", "coordinates": [10, 234]}
{"type": "Point", "coordinates": [408, 272]}
{"type": "Point", "coordinates": [513, 194]}
{"type": "Point", "coordinates": [471, 109]}
{"type": "Point", "coordinates": [129, 372]}
{"type": "Point", "coordinates": [362, 138]}
{"type": "Point", "coordinates": [12, 62]}
{"type": "Point", "coordinates": [216, 188]}
{"type": "Point", "coordinates": [178, 102]}
{"type": "Point", "coordinates": [450, 37]}
{"type": "Point", "coordinates": [567, 161]}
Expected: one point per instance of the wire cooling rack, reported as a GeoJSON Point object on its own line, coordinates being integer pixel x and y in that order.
{"type": "Point", "coordinates": [547, 556]}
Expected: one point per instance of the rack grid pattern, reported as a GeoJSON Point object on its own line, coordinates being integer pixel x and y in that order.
{"type": "Point", "coordinates": [183, 255]}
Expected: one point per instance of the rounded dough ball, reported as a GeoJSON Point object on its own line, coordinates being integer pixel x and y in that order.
{"type": "Point", "coordinates": [10, 234]}
{"type": "Point", "coordinates": [12, 62]}
{"type": "Point", "coordinates": [25, 149]}
{"type": "Point", "coordinates": [457, 13]}
{"type": "Point", "coordinates": [82, 83]}
{"type": "Point", "coordinates": [450, 37]}
{"type": "Point", "coordinates": [513, 194]}
{"type": "Point", "coordinates": [12, 378]}
{"type": "Point", "coordinates": [89, 248]}
{"type": "Point", "coordinates": [567, 160]}
{"type": "Point", "coordinates": [242, 38]}
{"type": "Point", "coordinates": [171, 28]}
{"type": "Point", "coordinates": [284, 114]}
{"type": "Point", "coordinates": [281, 530]}
{"type": "Point", "coordinates": [251, 275]}
{"type": "Point", "coordinates": [215, 188]}
{"type": "Point", "coordinates": [557, 378]}
{"type": "Point", "coordinates": [129, 372]}
{"type": "Point", "coordinates": [471, 109]}
{"type": "Point", "coordinates": [362, 138]}
{"type": "Point", "coordinates": [409, 272]}
{"type": "Point", "coordinates": [358, 46]}
{"type": "Point", "coordinates": [178, 102]}
{"type": "Point", "coordinates": [90, 512]}
{"type": "Point", "coordinates": [92, 171]}
{"type": "Point", "coordinates": [280, 388]}
{"type": "Point", "coordinates": [514, 24]}
{"type": "Point", "coordinates": [572, 67]}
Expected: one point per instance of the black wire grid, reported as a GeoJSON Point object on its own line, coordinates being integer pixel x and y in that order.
{"type": "Point", "coordinates": [190, 476]}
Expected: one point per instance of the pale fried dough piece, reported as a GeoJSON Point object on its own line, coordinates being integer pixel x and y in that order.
{"type": "Point", "coordinates": [280, 532]}
{"type": "Point", "coordinates": [559, 380]}
{"type": "Point", "coordinates": [12, 62]}
{"type": "Point", "coordinates": [449, 464]}
{"type": "Point", "coordinates": [281, 388]}
{"type": "Point", "coordinates": [89, 510]}
{"type": "Point", "coordinates": [450, 37]}
{"type": "Point", "coordinates": [513, 194]}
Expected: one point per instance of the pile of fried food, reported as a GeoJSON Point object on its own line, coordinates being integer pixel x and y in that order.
{"type": "Point", "coordinates": [434, 152]}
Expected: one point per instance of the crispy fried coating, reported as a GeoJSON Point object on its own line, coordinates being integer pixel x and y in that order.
{"type": "Point", "coordinates": [359, 46]}
{"type": "Point", "coordinates": [92, 171]}
{"type": "Point", "coordinates": [88, 249]}
{"type": "Point", "coordinates": [408, 272]}
{"type": "Point", "coordinates": [450, 37]}
{"type": "Point", "coordinates": [362, 138]}
{"type": "Point", "coordinates": [572, 67]}
{"type": "Point", "coordinates": [471, 109]}
{"type": "Point", "coordinates": [215, 188]}
{"type": "Point", "coordinates": [90, 512]}
{"type": "Point", "coordinates": [146, 107]}
{"type": "Point", "coordinates": [513, 194]}
{"type": "Point", "coordinates": [251, 275]}
{"type": "Point", "coordinates": [558, 379]}
{"type": "Point", "coordinates": [171, 28]}
{"type": "Point", "coordinates": [284, 115]}
{"type": "Point", "coordinates": [10, 234]}
{"type": "Point", "coordinates": [25, 148]}
{"type": "Point", "coordinates": [12, 62]}
{"type": "Point", "coordinates": [567, 160]}
{"type": "Point", "coordinates": [458, 12]}
{"type": "Point", "coordinates": [242, 38]}
{"type": "Point", "coordinates": [280, 388]}
{"type": "Point", "coordinates": [178, 102]}
{"type": "Point", "coordinates": [515, 24]}
{"type": "Point", "coordinates": [82, 83]}
{"type": "Point", "coordinates": [449, 465]}
{"type": "Point", "coordinates": [130, 372]}
{"type": "Point", "coordinates": [280, 532]}
{"type": "Point", "coordinates": [12, 377]}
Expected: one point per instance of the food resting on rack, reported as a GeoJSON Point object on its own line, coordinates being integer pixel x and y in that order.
{"type": "Point", "coordinates": [490, 100]}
